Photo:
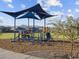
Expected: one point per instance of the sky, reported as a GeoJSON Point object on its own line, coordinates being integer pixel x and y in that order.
{"type": "Point", "coordinates": [62, 8]}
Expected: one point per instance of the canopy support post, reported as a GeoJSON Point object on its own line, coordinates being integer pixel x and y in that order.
{"type": "Point", "coordinates": [28, 23]}
{"type": "Point", "coordinates": [14, 30]}
{"type": "Point", "coordinates": [33, 29]}
{"type": "Point", "coordinates": [44, 27]}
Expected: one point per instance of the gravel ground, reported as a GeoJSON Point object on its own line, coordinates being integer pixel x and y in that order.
{"type": "Point", "coordinates": [45, 50]}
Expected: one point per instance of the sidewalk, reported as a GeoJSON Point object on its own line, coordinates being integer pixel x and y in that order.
{"type": "Point", "coordinates": [4, 54]}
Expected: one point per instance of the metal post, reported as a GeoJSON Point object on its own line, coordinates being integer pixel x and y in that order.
{"type": "Point", "coordinates": [28, 23]}
{"type": "Point", "coordinates": [33, 29]}
{"type": "Point", "coordinates": [44, 27]}
{"type": "Point", "coordinates": [34, 24]}
{"type": "Point", "coordinates": [14, 30]}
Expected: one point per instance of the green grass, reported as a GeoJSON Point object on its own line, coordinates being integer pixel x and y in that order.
{"type": "Point", "coordinates": [10, 35]}
{"type": "Point", "coordinates": [6, 35]}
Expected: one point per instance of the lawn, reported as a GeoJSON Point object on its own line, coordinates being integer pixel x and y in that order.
{"type": "Point", "coordinates": [6, 35]}
{"type": "Point", "coordinates": [11, 35]}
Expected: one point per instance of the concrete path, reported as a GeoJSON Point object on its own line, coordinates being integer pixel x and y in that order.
{"type": "Point", "coordinates": [4, 54]}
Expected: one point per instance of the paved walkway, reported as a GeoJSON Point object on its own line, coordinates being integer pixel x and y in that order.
{"type": "Point", "coordinates": [4, 54]}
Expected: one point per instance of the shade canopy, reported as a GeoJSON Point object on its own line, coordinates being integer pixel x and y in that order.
{"type": "Point", "coordinates": [44, 15]}
{"type": "Point", "coordinates": [13, 14]}
{"type": "Point", "coordinates": [38, 10]}
{"type": "Point", "coordinates": [28, 15]}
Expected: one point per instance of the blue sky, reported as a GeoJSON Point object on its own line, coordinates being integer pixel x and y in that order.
{"type": "Point", "coordinates": [59, 7]}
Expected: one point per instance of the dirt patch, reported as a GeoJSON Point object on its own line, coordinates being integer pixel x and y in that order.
{"type": "Point", "coordinates": [40, 50]}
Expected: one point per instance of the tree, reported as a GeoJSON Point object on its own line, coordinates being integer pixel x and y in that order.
{"type": "Point", "coordinates": [69, 29]}
{"type": "Point", "coordinates": [58, 28]}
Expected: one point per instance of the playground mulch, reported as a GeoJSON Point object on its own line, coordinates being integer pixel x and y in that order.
{"type": "Point", "coordinates": [33, 49]}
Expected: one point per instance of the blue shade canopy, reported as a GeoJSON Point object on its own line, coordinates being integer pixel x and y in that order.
{"type": "Point", "coordinates": [38, 10]}
{"type": "Point", "coordinates": [44, 15]}
{"type": "Point", "coordinates": [13, 14]}
{"type": "Point", "coordinates": [28, 15]}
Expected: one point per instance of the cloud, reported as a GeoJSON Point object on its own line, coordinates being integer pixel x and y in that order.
{"type": "Point", "coordinates": [23, 6]}
{"type": "Point", "coordinates": [10, 5]}
{"type": "Point", "coordinates": [77, 10]}
{"type": "Point", "coordinates": [77, 2]}
{"type": "Point", "coordinates": [59, 13]}
{"type": "Point", "coordinates": [70, 13]}
{"type": "Point", "coordinates": [46, 4]}
{"type": "Point", "coordinates": [9, 1]}
{"type": "Point", "coordinates": [1, 17]}
{"type": "Point", "coordinates": [54, 3]}
{"type": "Point", "coordinates": [69, 10]}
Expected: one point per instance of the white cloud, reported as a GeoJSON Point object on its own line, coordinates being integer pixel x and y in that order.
{"type": "Point", "coordinates": [10, 1]}
{"type": "Point", "coordinates": [1, 17]}
{"type": "Point", "coordinates": [46, 4]}
{"type": "Point", "coordinates": [69, 10]}
{"type": "Point", "coordinates": [54, 3]}
{"type": "Point", "coordinates": [77, 10]}
{"type": "Point", "coordinates": [70, 13]}
{"type": "Point", "coordinates": [10, 5]}
{"type": "Point", "coordinates": [23, 6]}
{"type": "Point", "coordinates": [58, 13]}
{"type": "Point", "coordinates": [77, 2]}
